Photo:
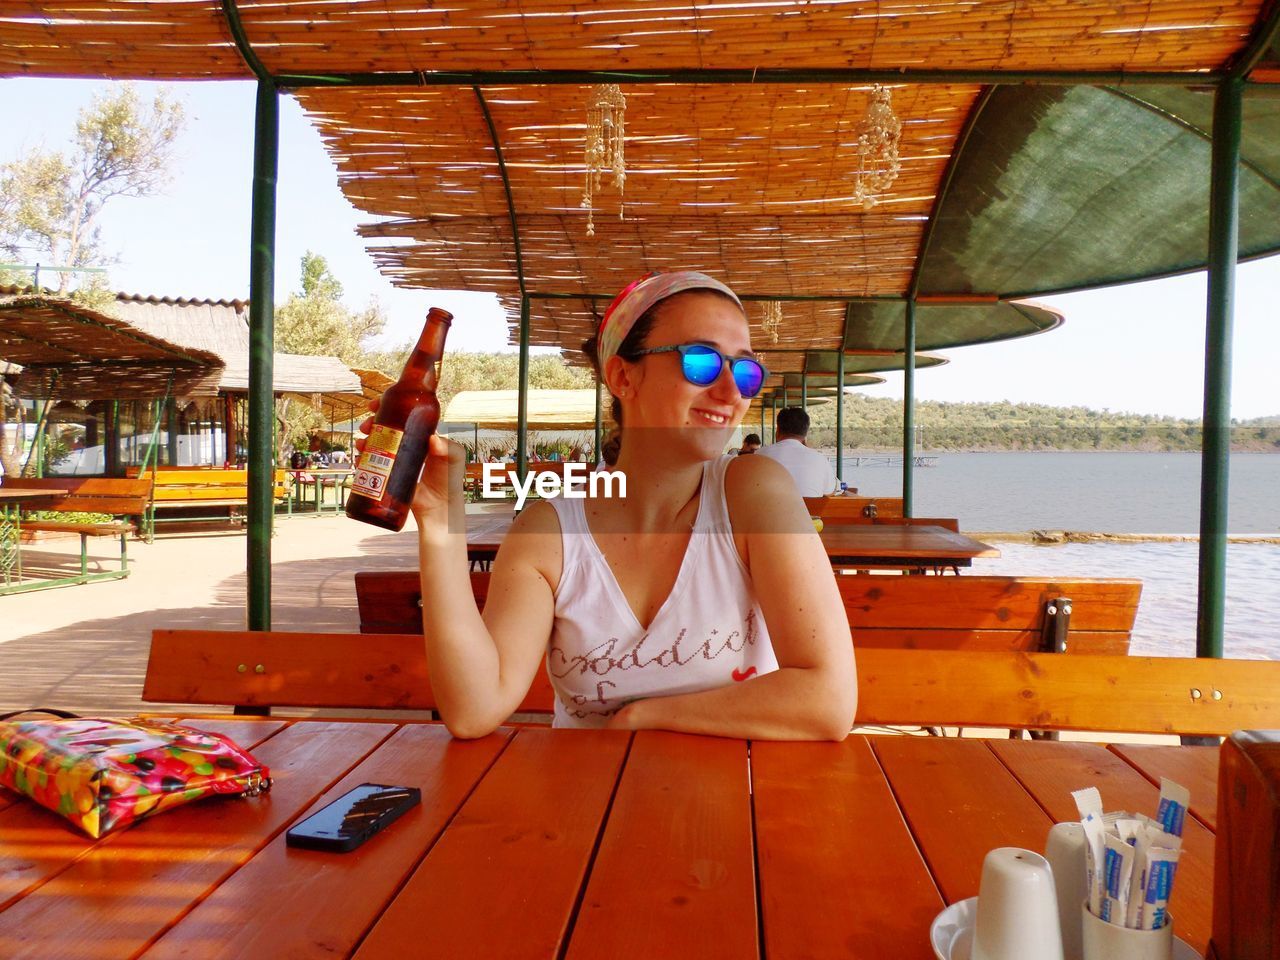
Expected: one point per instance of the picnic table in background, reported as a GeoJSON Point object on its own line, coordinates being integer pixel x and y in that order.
{"type": "Point", "coordinates": [863, 545]}
{"type": "Point", "coordinates": [320, 478]}
{"type": "Point", "coordinates": [624, 845]}
{"type": "Point", "coordinates": [910, 546]}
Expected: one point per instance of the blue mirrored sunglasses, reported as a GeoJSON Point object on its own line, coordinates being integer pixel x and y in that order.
{"type": "Point", "coordinates": [702, 365]}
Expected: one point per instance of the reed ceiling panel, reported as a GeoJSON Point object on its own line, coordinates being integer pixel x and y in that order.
{"type": "Point", "coordinates": [188, 39]}
{"type": "Point", "coordinates": [836, 257]}
{"type": "Point", "coordinates": [567, 323]}
{"type": "Point", "coordinates": [417, 153]}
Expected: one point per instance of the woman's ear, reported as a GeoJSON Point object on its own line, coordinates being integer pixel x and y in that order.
{"type": "Point", "coordinates": [620, 377]}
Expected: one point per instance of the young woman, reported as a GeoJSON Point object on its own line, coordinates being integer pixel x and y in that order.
{"type": "Point", "coordinates": [701, 602]}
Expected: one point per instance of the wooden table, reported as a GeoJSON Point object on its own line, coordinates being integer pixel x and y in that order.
{"type": "Point", "coordinates": [318, 475]}
{"type": "Point", "coordinates": [541, 843]}
{"type": "Point", "coordinates": [848, 545]}
{"type": "Point", "coordinates": [924, 546]}
{"type": "Point", "coordinates": [12, 500]}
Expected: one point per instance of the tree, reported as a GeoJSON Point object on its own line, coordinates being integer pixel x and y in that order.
{"type": "Point", "coordinates": [50, 201]}
{"type": "Point", "coordinates": [316, 322]}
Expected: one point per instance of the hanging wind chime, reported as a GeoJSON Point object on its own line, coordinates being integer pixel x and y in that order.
{"type": "Point", "coordinates": [772, 321]}
{"type": "Point", "coordinates": [878, 137]}
{"type": "Point", "coordinates": [605, 150]}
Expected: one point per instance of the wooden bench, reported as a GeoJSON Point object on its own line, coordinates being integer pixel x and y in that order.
{"type": "Point", "coordinates": [940, 613]}
{"type": "Point", "coordinates": [991, 613]}
{"type": "Point", "coordinates": [125, 501]}
{"type": "Point", "coordinates": [919, 687]}
{"type": "Point", "coordinates": [192, 492]}
{"type": "Point", "coordinates": [848, 509]}
{"type": "Point", "coordinates": [391, 602]}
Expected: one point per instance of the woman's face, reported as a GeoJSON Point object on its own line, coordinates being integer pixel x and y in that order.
{"type": "Point", "coordinates": [658, 395]}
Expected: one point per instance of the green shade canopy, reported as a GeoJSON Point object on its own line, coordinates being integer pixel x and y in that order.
{"type": "Point", "coordinates": [878, 324]}
{"type": "Point", "coordinates": [824, 364]}
{"type": "Point", "coordinates": [1061, 188]}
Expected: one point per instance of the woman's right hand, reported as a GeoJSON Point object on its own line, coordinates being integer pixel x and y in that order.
{"type": "Point", "coordinates": [442, 473]}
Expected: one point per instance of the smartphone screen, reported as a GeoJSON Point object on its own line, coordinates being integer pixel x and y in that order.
{"type": "Point", "coordinates": [354, 817]}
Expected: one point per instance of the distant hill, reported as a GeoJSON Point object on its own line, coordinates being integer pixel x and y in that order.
{"type": "Point", "coordinates": [872, 423]}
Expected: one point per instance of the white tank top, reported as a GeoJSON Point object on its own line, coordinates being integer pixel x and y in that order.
{"type": "Point", "coordinates": [708, 633]}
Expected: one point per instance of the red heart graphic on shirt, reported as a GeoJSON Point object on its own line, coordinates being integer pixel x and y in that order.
{"type": "Point", "coordinates": [739, 675]}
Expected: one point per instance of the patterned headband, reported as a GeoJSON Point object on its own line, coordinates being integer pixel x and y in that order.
{"type": "Point", "coordinates": [636, 299]}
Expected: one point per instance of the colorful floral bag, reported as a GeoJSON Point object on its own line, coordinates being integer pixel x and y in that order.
{"type": "Point", "coordinates": [103, 775]}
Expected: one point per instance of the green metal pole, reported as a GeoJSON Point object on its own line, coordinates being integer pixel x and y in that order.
{"type": "Point", "coordinates": [909, 409]}
{"type": "Point", "coordinates": [1224, 216]}
{"type": "Point", "coordinates": [804, 388]}
{"type": "Point", "coordinates": [599, 420]}
{"type": "Point", "coordinates": [840, 414]}
{"type": "Point", "coordinates": [522, 409]}
{"type": "Point", "coordinates": [261, 425]}
{"type": "Point", "coordinates": [111, 449]}
{"type": "Point", "coordinates": [171, 441]}
{"type": "Point", "coordinates": [40, 430]}
{"type": "Point", "coordinates": [475, 442]}
{"type": "Point", "coordinates": [762, 430]}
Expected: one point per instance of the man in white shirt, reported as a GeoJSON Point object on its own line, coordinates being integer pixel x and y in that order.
{"type": "Point", "coordinates": [810, 469]}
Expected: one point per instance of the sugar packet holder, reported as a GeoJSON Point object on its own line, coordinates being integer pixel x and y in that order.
{"type": "Point", "coordinates": [1131, 859]}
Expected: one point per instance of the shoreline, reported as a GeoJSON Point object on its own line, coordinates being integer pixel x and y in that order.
{"type": "Point", "coordinates": [1050, 538]}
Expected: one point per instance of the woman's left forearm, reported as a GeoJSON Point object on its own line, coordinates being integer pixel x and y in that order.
{"type": "Point", "coordinates": [792, 703]}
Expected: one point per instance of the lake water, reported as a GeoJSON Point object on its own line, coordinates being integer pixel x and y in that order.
{"type": "Point", "coordinates": [1116, 493]}
{"type": "Point", "coordinates": [1109, 492]}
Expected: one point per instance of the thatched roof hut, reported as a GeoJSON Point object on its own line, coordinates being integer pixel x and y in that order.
{"type": "Point", "coordinates": [221, 327]}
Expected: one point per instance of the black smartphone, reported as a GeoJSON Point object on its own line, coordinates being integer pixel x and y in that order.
{"type": "Point", "coordinates": [353, 818]}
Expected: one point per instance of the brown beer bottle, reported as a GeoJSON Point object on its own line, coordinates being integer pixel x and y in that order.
{"type": "Point", "coordinates": [391, 463]}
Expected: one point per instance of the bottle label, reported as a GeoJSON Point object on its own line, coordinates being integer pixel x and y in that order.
{"type": "Point", "coordinates": [374, 466]}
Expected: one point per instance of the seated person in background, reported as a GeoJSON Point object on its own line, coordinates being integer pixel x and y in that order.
{"type": "Point", "coordinates": [811, 470]}
{"type": "Point", "coordinates": [750, 444]}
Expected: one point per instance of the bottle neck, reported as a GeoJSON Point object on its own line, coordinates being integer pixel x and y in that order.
{"type": "Point", "coordinates": [420, 370]}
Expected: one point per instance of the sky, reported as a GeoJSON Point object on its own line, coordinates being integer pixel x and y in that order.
{"type": "Point", "coordinates": [1135, 348]}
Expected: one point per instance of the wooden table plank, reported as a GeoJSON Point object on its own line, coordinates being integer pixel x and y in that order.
{"type": "Point", "coordinates": [840, 875]}
{"type": "Point", "coordinates": [1052, 770]}
{"type": "Point", "coordinates": [504, 878]}
{"type": "Point", "coordinates": [247, 733]}
{"type": "Point", "coordinates": [1196, 768]}
{"type": "Point", "coordinates": [131, 886]}
{"type": "Point", "coordinates": [960, 803]}
{"type": "Point", "coordinates": [675, 875]}
{"type": "Point", "coordinates": [298, 918]}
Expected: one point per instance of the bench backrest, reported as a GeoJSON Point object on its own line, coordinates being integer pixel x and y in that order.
{"type": "Point", "coordinates": [945, 613]}
{"type": "Point", "coordinates": [854, 509]}
{"type": "Point", "coordinates": [1171, 695]}
{"type": "Point", "coordinates": [192, 484]}
{"type": "Point", "coordinates": [926, 687]}
{"type": "Point", "coordinates": [120, 498]}
{"type": "Point", "coordinates": [391, 602]}
{"type": "Point", "coordinates": [265, 669]}
{"type": "Point", "coordinates": [991, 613]}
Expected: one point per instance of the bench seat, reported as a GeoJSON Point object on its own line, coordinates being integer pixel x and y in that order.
{"type": "Point", "coordinates": [124, 499]}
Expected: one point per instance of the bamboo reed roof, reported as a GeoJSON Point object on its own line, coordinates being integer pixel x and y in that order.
{"type": "Point", "coordinates": [460, 131]}
{"type": "Point", "coordinates": [69, 350]}
{"type": "Point", "coordinates": [190, 39]}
